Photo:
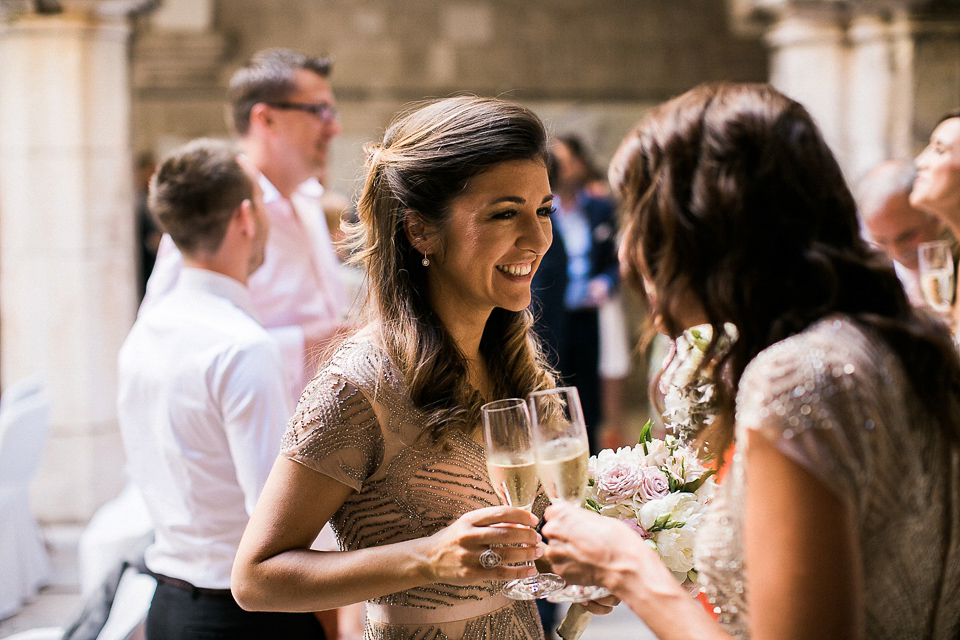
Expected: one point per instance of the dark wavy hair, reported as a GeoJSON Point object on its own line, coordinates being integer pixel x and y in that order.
{"type": "Point", "coordinates": [426, 158]}
{"type": "Point", "coordinates": [731, 196]}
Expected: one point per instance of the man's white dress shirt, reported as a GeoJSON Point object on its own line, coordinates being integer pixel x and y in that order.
{"type": "Point", "coordinates": [202, 407]}
{"type": "Point", "coordinates": [297, 284]}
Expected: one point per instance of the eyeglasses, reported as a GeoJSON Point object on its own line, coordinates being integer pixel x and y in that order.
{"type": "Point", "coordinates": [321, 110]}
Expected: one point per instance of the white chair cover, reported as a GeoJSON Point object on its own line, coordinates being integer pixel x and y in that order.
{"type": "Point", "coordinates": [116, 527]}
{"type": "Point", "coordinates": [24, 423]}
{"type": "Point", "coordinates": [40, 633]}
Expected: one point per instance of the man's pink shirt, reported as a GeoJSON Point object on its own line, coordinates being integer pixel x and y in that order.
{"type": "Point", "coordinates": [297, 284]}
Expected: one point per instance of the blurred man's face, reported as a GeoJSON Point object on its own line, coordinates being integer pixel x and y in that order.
{"type": "Point", "coordinates": [304, 137]}
{"type": "Point", "coordinates": [571, 172]}
{"type": "Point", "coordinates": [897, 229]}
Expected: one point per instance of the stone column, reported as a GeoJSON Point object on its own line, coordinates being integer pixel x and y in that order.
{"type": "Point", "coordinates": [808, 63]}
{"type": "Point", "coordinates": [875, 75]}
{"type": "Point", "coordinates": [67, 275]}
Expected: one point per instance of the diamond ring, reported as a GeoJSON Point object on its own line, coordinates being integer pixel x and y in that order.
{"type": "Point", "coordinates": [490, 559]}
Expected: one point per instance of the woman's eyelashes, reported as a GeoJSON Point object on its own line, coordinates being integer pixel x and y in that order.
{"type": "Point", "coordinates": [544, 212]}
{"type": "Point", "coordinates": [547, 211]}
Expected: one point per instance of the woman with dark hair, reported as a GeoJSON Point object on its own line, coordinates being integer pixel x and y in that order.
{"type": "Point", "coordinates": [839, 516]}
{"type": "Point", "coordinates": [453, 221]}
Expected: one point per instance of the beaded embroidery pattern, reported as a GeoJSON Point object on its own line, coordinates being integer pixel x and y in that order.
{"type": "Point", "coordinates": [835, 400]}
{"type": "Point", "coordinates": [355, 424]}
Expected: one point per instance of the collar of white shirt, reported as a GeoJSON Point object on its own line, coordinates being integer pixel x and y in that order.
{"type": "Point", "coordinates": [310, 188]}
{"type": "Point", "coordinates": [219, 285]}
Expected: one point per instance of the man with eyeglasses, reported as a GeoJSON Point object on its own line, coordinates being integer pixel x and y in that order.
{"type": "Point", "coordinates": [283, 111]}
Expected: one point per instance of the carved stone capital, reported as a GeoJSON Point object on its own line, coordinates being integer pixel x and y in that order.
{"type": "Point", "coordinates": [761, 11]}
{"type": "Point", "coordinates": [100, 9]}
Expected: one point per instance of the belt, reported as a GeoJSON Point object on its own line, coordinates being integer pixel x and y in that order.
{"type": "Point", "coordinates": [186, 586]}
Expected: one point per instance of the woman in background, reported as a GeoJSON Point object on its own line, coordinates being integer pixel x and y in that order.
{"type": "Point", "coordinates": [936, 188]}
{"type": "Point", "coordinates": [840, 514]}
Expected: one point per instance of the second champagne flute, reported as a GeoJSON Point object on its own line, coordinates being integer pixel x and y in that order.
{"type": "Point", "coordinates": [513, 473]}
{"type": "Point", "coordinates": [936, 274]}
{"type": "Point", "coordinates": [562, 452]}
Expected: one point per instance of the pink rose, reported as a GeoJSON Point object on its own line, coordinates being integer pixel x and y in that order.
{"type": "Point", "coordinates": [653, 484]}
{"type": "Point", "coordinates": [633, 524]}
{"type": "Point", "coordinates": [617, 483]}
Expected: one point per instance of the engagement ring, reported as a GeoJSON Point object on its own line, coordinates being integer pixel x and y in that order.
{"type": "Point", "coordinates": [490, 559]}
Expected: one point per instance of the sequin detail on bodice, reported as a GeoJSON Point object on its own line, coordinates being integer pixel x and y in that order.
{"type": "Point", "coordinates": [836, 400]}
{"type": "Point", "coordinates": [355, 424]}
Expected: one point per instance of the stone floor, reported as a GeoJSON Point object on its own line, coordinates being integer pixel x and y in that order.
{"type": "Point", "coordinates": [59, 603]}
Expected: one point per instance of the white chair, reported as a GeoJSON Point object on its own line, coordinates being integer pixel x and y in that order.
{"type": "Point", "coordinates": [40, 633]}
{"type": "Point", "coordinates": [24, 423]}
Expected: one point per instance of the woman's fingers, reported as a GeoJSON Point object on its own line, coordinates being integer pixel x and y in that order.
{"type": "Point", "coordinates": [602, 606]}
{"type": "Point", "coordinates": [595, 606]}
{"type": "Point", "coordinates": [501, 515]}
{"type": "Point", "coordinates": [493, 543]}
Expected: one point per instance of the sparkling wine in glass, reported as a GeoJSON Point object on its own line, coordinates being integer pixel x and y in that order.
{"type": "Point", "coordinates": [513, 473]}
{"type": "Point", "coordinates": [936, 274]}
{"type": "Point", "coordinates": [562, 453]}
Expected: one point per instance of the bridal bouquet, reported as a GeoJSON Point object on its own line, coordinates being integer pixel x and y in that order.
{"type": "Point", "coordinates": [658, 487]}
{"type": "Point", "coordinates": [687, 384]}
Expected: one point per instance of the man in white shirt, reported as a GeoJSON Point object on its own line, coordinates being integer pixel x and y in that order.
{"type": "Point", "coordinates": [202, 405]}
{"type": "Point", "coordinates": [283, 111]}
{"type": "Point", "coordinates": [893, 224]}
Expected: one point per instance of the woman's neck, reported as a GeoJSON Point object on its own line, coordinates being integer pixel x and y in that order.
{"type": "Point", "coordinates": [466, 333]}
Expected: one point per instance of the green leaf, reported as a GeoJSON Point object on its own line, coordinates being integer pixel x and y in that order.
{"type": "Point", "coordinates": [646, 433]}
{"type": "Point", "coordinates": [693, 485]}
{"type": "Point", "coordinates": [672, 483]}
{"type": "Point", "coordinates": [592, 504]}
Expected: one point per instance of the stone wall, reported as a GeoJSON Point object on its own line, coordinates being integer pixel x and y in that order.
{"type": "Point", "coordinates": [590, 67]}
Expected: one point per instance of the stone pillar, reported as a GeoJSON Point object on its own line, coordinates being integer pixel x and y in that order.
{"type": "Point", "coordinates": [876, 76]}
{"type": "Point", "coordinates": [67, 275]}
{"type": "Point", "coordinates": [801, 43]}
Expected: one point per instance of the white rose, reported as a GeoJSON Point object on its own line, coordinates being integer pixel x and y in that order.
{"type": "Point", "coordinates": [676, 548]}
{"type": "Point", "coordinates": [656, 453]}
{"type": "Point", "coordinates": [684, 465]}
{"type": "Point", "coordinates": [678, 507]}
{"type": "Point", "coordinates": [706, 491]}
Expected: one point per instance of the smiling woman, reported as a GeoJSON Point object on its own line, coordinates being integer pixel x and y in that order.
{"type": "Point", "coordinates": [453, 221]}
{"type": "Point", "coordinates": [937, 186]}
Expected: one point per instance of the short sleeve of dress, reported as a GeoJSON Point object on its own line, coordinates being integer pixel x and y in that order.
{"type": "Point", "coordinates": [335, 431]}
{"type": "Point", "coordinates": [815, 400]}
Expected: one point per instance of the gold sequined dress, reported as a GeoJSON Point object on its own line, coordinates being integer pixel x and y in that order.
{"type": "Point", "coordinates": [355, 424]}
{"type": "Point", "coordinates": [836, 401]}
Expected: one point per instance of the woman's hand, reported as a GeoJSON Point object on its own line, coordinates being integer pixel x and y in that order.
{"type": "Point", "coordinates": [583, 546]}
{"type": "Point", "coordinates": [602, 606]}
{"type": "Point", "coordinates": [453, 553]}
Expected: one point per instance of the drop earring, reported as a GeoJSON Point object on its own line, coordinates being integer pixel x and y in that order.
{"type": "Point", "coordinates": [426, 261]}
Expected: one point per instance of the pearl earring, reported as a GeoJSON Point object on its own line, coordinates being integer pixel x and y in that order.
{"type": "Point", "coordinates": [426, 261]}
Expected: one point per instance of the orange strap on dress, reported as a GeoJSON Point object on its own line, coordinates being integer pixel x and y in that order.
{"type": "Point", "coordinates": [721, 473]}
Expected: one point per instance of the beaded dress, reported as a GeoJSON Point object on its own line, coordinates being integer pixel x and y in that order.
{"type": "Point", "coordinates": [355, 424]}
{"type": "Point", "coordinates": [836, 400]}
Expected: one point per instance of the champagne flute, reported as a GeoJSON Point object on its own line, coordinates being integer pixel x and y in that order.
{"type": "Point", "coordinates": [936, 274]}
{"type": "Point", "coordinates": [562, 452]}
{"type": "Point", "coordinates": [513, 474]}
